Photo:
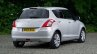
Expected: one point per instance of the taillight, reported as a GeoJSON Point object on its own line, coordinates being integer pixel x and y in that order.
{"type": "Point", "coordinates": [14, 24]}
{"type": "Point", "coordinates": [48, 23]}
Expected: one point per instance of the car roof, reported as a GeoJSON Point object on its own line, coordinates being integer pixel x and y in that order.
{"type": "Point", "coordinates": [48, 8]}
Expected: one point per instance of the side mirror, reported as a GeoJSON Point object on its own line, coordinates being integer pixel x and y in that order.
{"type": "Point", "coordinates": [77, 17]}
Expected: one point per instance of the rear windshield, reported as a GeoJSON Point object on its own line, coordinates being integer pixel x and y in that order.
{"type": "Point", "coordinates": [35, 13]}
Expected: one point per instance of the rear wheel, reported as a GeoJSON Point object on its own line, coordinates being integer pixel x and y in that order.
{"type": "Point", "coordinates": [18, 43]}
{"type": "Point", "coordinates": [82, 36]}
{"type": "Point", "coordinates": [55, 42]}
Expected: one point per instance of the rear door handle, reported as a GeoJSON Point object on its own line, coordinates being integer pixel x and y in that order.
{"type": "Point", "coordinates": [59, 21]}
{"type": "Point", "coordinates": [69, 22]}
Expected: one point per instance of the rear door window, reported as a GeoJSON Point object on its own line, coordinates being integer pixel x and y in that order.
{"type": "Point", "coordinates": [67, 14]}
{"type": "Point", "coordinates": [58, 13]}
{"type": "Point", "coordinates": [35, 13]}
{"type": "Point", "coordinates": [63, 14]}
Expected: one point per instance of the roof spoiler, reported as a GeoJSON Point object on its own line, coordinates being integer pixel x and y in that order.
{"type": "Point", "coordinates": [29, 8]}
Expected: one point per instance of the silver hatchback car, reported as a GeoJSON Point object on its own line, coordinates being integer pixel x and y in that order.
{"type": "Point", "coordinates": [47, 24]}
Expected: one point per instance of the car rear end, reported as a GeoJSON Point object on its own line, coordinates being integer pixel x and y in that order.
{"type": "Point", "coordinates": [33, 25]}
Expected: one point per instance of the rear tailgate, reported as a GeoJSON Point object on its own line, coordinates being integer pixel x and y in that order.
{"type": "Point", "coordinates": [29, 25]}
{"type": "Point", "coordinates": [30, 22]}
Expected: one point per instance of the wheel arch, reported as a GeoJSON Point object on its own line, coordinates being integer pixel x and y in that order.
{"type": "Point", "coordinates": [82, 26]}
{"type": "Point", "coordinates": [84, 29]}
{"type": "Point", "coordinates": [59, 33]}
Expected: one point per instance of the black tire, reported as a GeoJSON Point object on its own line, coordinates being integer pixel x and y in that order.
{"type": "Point", "coordinates": [18, 44]}
{"type": "Point", "coordinates": [54, 45]}
{"type": "Point", "coordinates": [82, 37]}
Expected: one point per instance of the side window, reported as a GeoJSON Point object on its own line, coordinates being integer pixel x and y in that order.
{"type": "Point", "coordinates": [63, 14]}
{"type": "Point", "coordinates": [58, 13]}
{"type": "Point", "coordinates": [67, 14]}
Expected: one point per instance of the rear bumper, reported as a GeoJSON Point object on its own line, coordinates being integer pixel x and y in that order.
{"type": "Point", "coordinates": [32, 39]}
{"type": "Point", "coordinates": [42, 35]}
